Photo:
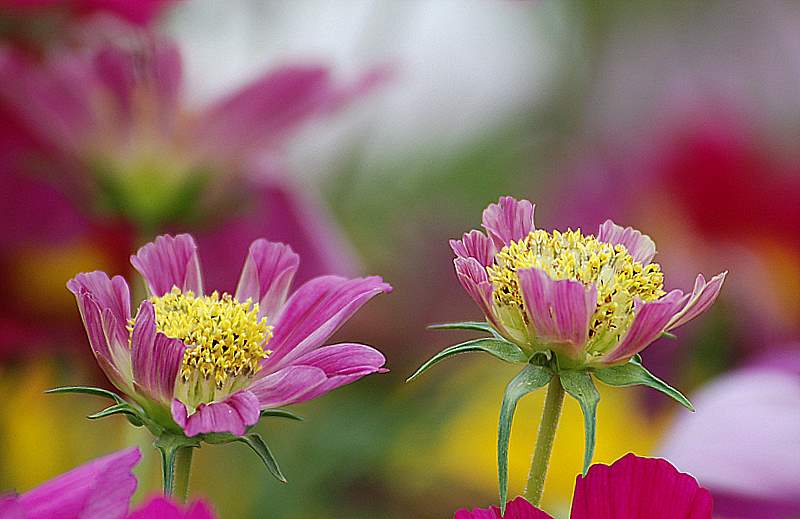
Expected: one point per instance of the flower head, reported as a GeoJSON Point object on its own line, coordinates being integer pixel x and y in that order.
{"type": "Point", "coordinates": [593, 300]}
{"type": "Point", "coordinates": [630, 488]}
{"type": "Point", "coordinates": [211, 363]}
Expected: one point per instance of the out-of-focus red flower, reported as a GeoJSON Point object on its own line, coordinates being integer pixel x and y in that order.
{"type": "Point", "coordinates": [139, 12]}
{"type": "Point", "coordinates": [630, 488]}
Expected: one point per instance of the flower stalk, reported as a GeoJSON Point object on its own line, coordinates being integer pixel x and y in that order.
{"type": "Point", "coordinates": [553, 405]}
{"type": "Point", "coordinates": [183, 467]}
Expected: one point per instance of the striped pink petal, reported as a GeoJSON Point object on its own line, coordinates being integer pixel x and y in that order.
{"type": "Point", "coordinates": [156, 358]}
{"type": "Point", "coordinates": [648, 325]}
{"type": "Point", "coordinates": [161, 507]}
{"type": "Point", "coordinates": [342, 364]}
{"type": "Point", "coordinates": [559, 310]}
{"type": "Point", "coordinates": [288, 386]}
{"type": "Point", "coordinates": [476, 245]}
{"type": "Point", "coordinates": [169, 261]}
{"type": "Point", "coordinates": [702, 297]}
{"type": "Point", "coordinates": [639, 245]}
{"type": "Point", "coordinates": [314, 312]}
{"type": "Point", "coordinates": [508, 220]}
{"type": "Point", "coordinates": [267, 274]}
{"type": "Point", "coordinates": [233, 415]}
{"type": "Point", "coordinates": [472, 276]}
{"type": "Point", "coordinates": [100, 489]}
{"type": "Point", "coordinates": [639, 488]}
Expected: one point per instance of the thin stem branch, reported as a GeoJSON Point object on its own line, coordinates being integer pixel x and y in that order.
{"type": "Point", "coordinates": [544, 442]}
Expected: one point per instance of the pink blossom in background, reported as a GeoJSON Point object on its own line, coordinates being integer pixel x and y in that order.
{"type": "Point", "coordinates": [630, 488]}
{"type": "Point", "coordinates": [272, 354]}
{"type": "Point", "coordinates": [139, 12]}
{"type": "Point", "coordinates": [744, 441]}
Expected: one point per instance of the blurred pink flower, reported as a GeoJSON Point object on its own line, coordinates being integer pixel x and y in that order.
{"type": "Point", "coordinates": [100, 489]}
{"type": "Point", "coordinates": [630, 488]}
{"type": "Point", "coordinates": [744, 445]}
{"type": "Point", "coordinates": [169, 360]}
{"type": "Point", "coordinates": [140, 12]}
{"type": "Point", "coordinates": [594, 301]}
{"type": "Point", "coordinates": [98, 150]}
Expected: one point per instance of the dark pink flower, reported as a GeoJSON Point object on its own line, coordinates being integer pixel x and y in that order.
{"type": "Point", "coordinates": [163, 508]}
{"type": "Point", "coordinates": [213, 362]}
{"type": "Point", "coordinates": [630, 488]}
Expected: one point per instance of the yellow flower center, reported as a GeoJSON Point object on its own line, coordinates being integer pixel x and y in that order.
{"type": "Point", "coordinates": [225, 338]}
{"type": "Point", "coordinates": [570, 255]}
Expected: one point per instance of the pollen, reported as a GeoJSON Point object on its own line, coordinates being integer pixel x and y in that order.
{"type": "Point", "coordinates": [225, 338]}
{"type": "Point", "coordinates": [620, 280]}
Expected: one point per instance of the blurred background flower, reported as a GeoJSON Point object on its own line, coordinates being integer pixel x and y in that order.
{"type": "Point", "coordinates": [679, 120]}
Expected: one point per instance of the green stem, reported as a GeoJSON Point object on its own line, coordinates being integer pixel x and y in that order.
{"type": "Point", "coordinates": [544, 442]}
{"type": "Point", "coordinates": [183, 466]}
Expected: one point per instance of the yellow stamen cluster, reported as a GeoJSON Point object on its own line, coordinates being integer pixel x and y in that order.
{"type": "Point", "coordinates": [570, 255]}
{"type": "Point", "coordinates": [225, 337]}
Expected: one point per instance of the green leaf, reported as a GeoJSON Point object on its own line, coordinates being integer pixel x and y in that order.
{"type": "Point", "coordinates": [281, 413]}
{"type": "Point", "coordinates": [531, 378]}
{"type": "Point", "coordinates": [259, 446]}
{"type": "Point", "coordinates": [481, 326]}
{"type": "Point", "coordinates": [579, 385]}
{"type": "Point", "coordinates": [634, 374]}
{"type": "Point", "coordinates": [500, 348]}
{"type": "Point", "coordinates": [95, 391]}
{"type": "Point", "coordinates": [123, 408]}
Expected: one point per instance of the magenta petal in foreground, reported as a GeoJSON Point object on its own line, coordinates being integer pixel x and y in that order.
{"type": "Point", "coordinates": [267, 274]}
{"type": "Point", "coordinates": [639, 245]}
{"type": "Point", "coordinates": [163, 508]}
{"type": "Point", "coordinates": [100, 489]}
{"type": "Point", "coordinates": [639, 488]}
{"type": "Point", "coordinates": [476, 245]}
{"type": "Point", "coordinates": [508, 220]}
{"type": "Point", "coordinates": [155, 358]}
{"type": "Point", "coordinates": [343, 364]}
{"type": "Point", "coordinates": [288, 385]}
{"type": "Point", "coordinates": [169, 261]}
{"type": "Point", "coordinates": [234, 415]}
{"type": "Point", "coordinates": [519, 508]}
{"type": "Point", "coordinates": [702, 297]}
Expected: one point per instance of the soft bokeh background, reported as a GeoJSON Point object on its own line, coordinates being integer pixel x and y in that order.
{"type": "Point", "coordinates": [681, 119]}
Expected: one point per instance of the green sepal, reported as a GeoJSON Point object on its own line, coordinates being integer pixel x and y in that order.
{"type": "Point", "coordinates": [87, 390]}
{"type": "Point", "coordinates": [281, 413]}
{"type": "Point", "coordinates": [579, 385]}
{"type": "Point", "coordinates": [168, 444]}
{"type": "Point", "coordinates": [259, 446]}
{"type": "Point", "coordinates": [669, 335]}
{"type": "Point", "coordinates": [531, 378]}
{"type": "Point", "coordinates": [480, 326]}
{"type": "Point", "coordinates": [132, 414]}
{"type": "Point", "coordinates": [634, 374]}
{"type": "Point", "coordinates": [500, 348]}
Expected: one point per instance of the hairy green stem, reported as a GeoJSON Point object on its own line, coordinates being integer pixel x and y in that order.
{"type": "Point", "coordinates": [183, 466]}
{"type": "Point", "coordinates": [544, 441]}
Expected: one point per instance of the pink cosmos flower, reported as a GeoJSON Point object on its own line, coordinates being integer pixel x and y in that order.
{"type": "Point", "coordinates": [593, 300]}
{"type": "Point", "coordinates": [141, 12]}
{"type": "Point", "coordinates": [100, 489]}
{"type": "Point", "coordinates": [630, 488]}
{"type": "Point", "coordinates": [209, 363]}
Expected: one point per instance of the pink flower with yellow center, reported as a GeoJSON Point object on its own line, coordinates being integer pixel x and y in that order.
{"type": "Point", "coordinates": [593, 300]}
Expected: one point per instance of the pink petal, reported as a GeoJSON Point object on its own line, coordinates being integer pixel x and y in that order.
{"type": "Point", "coordinates": [108, 293]}
{"type": "Point", "coordinates": [702, 297]}
{"type": "Point", "coordinates": [267, 274]}
{"type": "Point", "coordinates": [648, 325]}
{"type": "Point", "coordinates": [233, 415]}
{"type": "Point", "coordinates": [100, 489]}
{"type": "Point", "coordinates": [288, 386]}
{"type": "Point", "coordinates": [342, 364]}
{"type": "Point", "coordinates": [10, 507]}
{"type": "Point", "coordinates": [315, 311]}
{"type": "Point", "coordinates": [639, 488]}
{"type": "Point", "coordinates": [476, 245]}
{"type": "Point", "coordinates": [518, 508]}
{"type": "Point", "coordinates": [559, 310]}
{"type": "Point", "coordinates": [263, 111]}
{"type": "Point", "coordinates": [508, 220]}
{"type": "Point", "coordinates": [639, 245]}
{"type": "Point", "coordinates": [472, 276]}
{"type": "Point", "coordinates": [161, 507]}
{"type": "Point", "coordinates": [156, 358]}
{"type": "Point", "coordinates": [169, 261]}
